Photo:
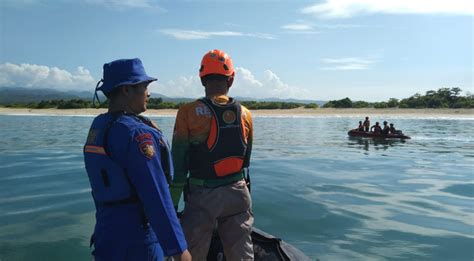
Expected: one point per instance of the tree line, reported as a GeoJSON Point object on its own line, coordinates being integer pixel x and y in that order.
{"type": "Point", "coordinates": [153, 103]}
{"type": "Point", "coordinates": [442, 98]}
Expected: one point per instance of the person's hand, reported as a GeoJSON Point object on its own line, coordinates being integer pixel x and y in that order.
{"type": "Point", "coordinates": [185, 256]}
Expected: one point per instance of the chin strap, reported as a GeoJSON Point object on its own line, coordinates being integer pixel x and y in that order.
{"type": "Point", "coordinates": [96, 97]}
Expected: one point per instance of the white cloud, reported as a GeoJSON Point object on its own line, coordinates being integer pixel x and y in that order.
{"type": "Point", "coordinates": [245, 85]}
{"type": "Point", "coordinates": [121, 4]}
{"type": "Point", "coordinates": [350, 8]}
{"type": "Point", "coordinates": [298, 27]}
{"type": "Point", "coordinates": [198, 35]}
{"type": "Point", "coordinates": [302, 27]}
{"type": "Point", "coordinates": [349, 63]}
{"type": "Point", "coordinates": [40, 76]}
{"type": "Point", "coordinates": [346, 26]}
{"type": "Point", "coordinates": [189, 87]}
{"type": "Point", "coordinates": [270, 86]}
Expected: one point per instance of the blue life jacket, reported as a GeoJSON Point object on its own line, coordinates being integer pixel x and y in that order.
{"type": "Point", "coordinates": [109, 181]}
{"type": "Point", "coordinates": [129, 166]}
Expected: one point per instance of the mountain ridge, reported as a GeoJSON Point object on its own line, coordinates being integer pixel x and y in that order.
{"type": "Point", "coordinates": [9, 95]}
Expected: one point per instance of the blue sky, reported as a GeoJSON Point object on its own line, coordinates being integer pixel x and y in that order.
{"type": "Point", "coordinates": [329, 49]}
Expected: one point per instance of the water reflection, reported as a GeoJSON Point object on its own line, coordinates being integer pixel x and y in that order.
{"type": "Point", "coordinates": [377, 144]}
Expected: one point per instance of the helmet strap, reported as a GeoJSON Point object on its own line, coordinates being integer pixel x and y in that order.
{"type": "Point", "coordinates": [96, 96]}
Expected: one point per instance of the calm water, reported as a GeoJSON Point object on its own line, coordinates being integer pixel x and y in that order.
{"type": "Point", "coordinates": [333, 197]}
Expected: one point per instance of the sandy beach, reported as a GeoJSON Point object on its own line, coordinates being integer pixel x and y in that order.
{"type": "Point", "coordinates": [291, 112]}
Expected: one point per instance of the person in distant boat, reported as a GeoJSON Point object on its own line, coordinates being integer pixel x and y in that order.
{"type": "Point", "coordinates": [361, 126]}
{"type": "Point", "coordinates": [386, 129]}
{"type": "Point", "coordinates": [376, 128]}
{"type": "Point", "coordinates": [392, 129]}
{"type": "Point", "coordinates": [367, 124]}
{"type": "Point", "coordinates": [128, 163]}
{"type": "Point", "coordinates": [212, 141]}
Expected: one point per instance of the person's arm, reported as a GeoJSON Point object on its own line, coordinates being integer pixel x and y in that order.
{"type": "Point", "coordinates": [180, 149]}
{"type": "Point", "coordinates": [146, 174]}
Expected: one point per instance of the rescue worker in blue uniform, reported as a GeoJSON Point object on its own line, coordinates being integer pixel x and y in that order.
{"type": "Point", "coordinates": [128, 163]}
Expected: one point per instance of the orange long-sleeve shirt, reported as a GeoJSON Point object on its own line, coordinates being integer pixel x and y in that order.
{"type": "Point", "coordinates": [192, 126]}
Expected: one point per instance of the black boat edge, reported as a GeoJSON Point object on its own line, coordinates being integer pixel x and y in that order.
{"type": "Point", "coordinates": [356, 133]}
{"type": "Point", "coordinates": [266, 247]}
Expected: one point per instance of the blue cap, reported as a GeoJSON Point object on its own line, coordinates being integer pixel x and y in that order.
{"type": "Point", "coordinates": [123, 72]}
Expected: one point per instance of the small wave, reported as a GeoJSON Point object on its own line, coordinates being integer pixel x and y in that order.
{"type": "Point", "coordinates": [14, 164]}
{"type": "Point", "coordinates": [48, 115]}
{"type": "Point", "coordinates": [373, 116]}
{"type": "Point", "coordinates": [28, 176]}
{"type": "Point", "coordinates": [45, 195]}
{"type": "Point", "coordinates": [43, 208]}
{"type": "Point", "coordinates": [448, 138]}
{"type": "Point", "coordinates": [465, 190]}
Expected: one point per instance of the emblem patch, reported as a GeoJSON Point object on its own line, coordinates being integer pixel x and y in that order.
{"type": "Point", "coordinates": [229, 116]}
{"type": "Point", "coordinates": [147, 149]}
{"type": "Point", "coordinates": [143, 136]}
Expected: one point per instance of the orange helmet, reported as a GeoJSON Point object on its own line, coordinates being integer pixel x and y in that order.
{"type": "Point", "coordinates": [216, 62]}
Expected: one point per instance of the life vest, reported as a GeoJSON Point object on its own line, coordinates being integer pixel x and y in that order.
{"type": "Point", "coordinates": [109, 181]}
{"type": "Point", "coordinates": [225, 151]}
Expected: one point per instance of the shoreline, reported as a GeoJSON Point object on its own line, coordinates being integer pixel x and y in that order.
{"type": "Point", "coordinates": [371, 112]}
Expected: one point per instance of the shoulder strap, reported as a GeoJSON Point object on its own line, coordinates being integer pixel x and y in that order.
{"type": "Point", "coordinates": [115, 116]}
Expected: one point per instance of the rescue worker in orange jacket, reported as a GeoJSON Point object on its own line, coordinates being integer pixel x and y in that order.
{"type": "Point", "coordinates": [212, 142]}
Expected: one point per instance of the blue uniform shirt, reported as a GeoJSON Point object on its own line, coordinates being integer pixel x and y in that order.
{"type": "Point", "coordinates": [134, 212]}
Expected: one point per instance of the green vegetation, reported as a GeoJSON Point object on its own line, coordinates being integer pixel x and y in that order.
{"type": "Point", "coordinates": [442, 98]}
{"type": "Point", "coordinates": [254, 105]}
{"type": "Point", "coordinates": [158, 103]}
{"type": "Point", "coordinates": [311, 106]}
{"type": "Point", "coordinates": [344, 103]}
{"type": "Point", "coordinates": [153, 103]}
{"type": "Point", "coordinates": [60, 104]}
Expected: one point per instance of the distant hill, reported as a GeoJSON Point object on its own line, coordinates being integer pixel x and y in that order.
{"type": "Point", "coordinates": [319, 102]}
{"type": "Point", "coordinates": [25, 95]}
{"type": "Point", "coordinates": [171, 99]}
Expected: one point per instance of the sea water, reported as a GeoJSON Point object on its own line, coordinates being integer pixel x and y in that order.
{"type": "Point", "coordinates": [331, 196]}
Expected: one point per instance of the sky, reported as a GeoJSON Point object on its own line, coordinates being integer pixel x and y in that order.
{"type": "Point", "coordinates": [368, 50]}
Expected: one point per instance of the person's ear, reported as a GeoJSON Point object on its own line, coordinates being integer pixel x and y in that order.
{"type": "Point", "coordinates": [230, 81]}
{"type": "Point", "coordinates": [126, 90]}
